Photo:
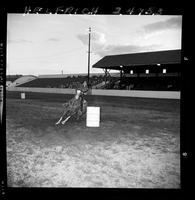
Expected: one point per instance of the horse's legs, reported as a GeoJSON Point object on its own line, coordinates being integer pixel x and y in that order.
{"type": "Point", "coordinates": [59, 120]}
{"type": "Point", "coordinates": [63, 122]}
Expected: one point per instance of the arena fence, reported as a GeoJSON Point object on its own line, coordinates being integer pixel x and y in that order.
{"type": "Point", "coordinates": [122, 93]}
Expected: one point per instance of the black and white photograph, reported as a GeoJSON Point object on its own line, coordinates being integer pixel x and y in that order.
{"type": "Point", "coordinates": [93, 101]}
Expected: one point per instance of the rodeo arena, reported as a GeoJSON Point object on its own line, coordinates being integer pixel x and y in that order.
{"type": "Point", "coordinates": [115, 129]}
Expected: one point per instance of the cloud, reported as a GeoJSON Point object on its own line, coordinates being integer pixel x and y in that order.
{"type": "Point", "coordinates": [53, 40]}
{"type": "Point", "coordinates": [98, 43]}
{"type": "Point", "coordinates": [125, 49]}
{"type": "Point", "coordinates": [172, 23]}
{"type": "Point", "coordinates": [97, 38]}
{"type": "Point", "coordinates": [20, 41]}
{"type": "Point", "coordinates": [100, 47]}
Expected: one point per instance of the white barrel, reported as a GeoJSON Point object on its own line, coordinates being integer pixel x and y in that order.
{"type": "Point", "coordinates": [22, 95]}
{"type": "Point", "coordinates": [93, 117]}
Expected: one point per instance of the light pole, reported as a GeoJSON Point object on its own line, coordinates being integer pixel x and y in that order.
{"type": "Point", "coordinates": [88, 76]}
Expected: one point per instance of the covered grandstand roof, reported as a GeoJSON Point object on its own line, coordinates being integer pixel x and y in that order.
{"type": "Point", "coordinates": [139, 59]}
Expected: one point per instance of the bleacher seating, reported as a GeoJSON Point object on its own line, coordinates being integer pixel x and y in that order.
{"type": "Point", "coordinates": [145, 83]}
{"type": "Point", "coordinates": [66, 82]}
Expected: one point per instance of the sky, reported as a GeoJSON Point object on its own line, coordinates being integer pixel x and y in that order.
{"type": "Point", "coordinates": [40, 44]}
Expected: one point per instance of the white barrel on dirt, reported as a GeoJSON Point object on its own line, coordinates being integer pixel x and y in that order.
{"type": "Point", "coordinates": [93, 116]}
{"type": "Point", "coordinates": [22, 95]}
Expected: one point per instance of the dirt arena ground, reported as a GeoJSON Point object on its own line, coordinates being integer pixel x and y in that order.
{"type": "Point", "coordinates": [136, 146]}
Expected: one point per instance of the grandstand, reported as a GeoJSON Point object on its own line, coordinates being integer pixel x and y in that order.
{"type": "Point", "coordinates": [12, 78]}
{"type": "Point", "coordinates": [63, 81]}
{"type": "Point", "coordinates": [144, 71]}
{"type": "Point", "coordinates": [18, 80]}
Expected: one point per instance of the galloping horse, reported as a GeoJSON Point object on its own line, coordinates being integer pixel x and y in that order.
{"type": "Point", "coordinates": [75, 108]}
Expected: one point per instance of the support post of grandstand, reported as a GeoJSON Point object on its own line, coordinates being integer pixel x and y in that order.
{"type": "Point", "coordinates": [105, 76]}
{"type": "Point", "coordinates": [121, 73]}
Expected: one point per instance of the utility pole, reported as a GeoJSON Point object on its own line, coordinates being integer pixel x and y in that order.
{"type": "Point", "coordinates": [88, 76]}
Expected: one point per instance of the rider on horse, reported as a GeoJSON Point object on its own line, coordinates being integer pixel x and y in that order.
{"type": "Point", "coordinates": [75, 107]}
